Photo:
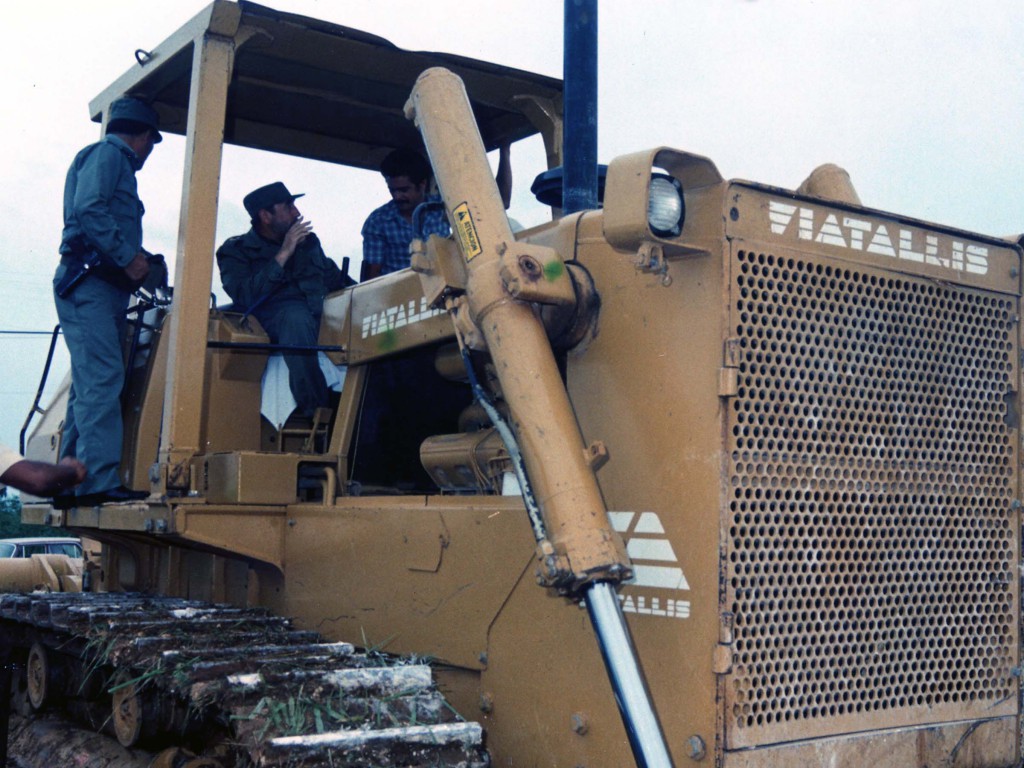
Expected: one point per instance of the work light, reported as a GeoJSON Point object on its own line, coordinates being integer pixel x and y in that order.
{"type": "Point", "coordinates": [665, 208]}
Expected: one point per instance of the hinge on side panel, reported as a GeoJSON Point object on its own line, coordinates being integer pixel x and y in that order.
{"type": "Point", "coordinates": [733, 351]}
{"type": "Point", "coordinates": [721, 659]}
{"type": "Point", "coordinates": [728, 375]}
{"type": "Point", "coordinates": [728, 382]}
{"type": "Point", "coordinates": [722, 656]}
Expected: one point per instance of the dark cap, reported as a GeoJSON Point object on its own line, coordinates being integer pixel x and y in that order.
{"type": "Point", "coordinates": [267, 197]}
{"type": "Point", "coordinates": [137, 111]}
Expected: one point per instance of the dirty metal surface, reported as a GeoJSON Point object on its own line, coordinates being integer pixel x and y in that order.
{"type": "Point", "coordinates": [871, 535]}
{"type": "Point", "coordinates": [237, 685]}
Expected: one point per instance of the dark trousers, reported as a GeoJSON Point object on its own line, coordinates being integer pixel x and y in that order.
{"type": "Point", "coordinates": [291, 322]}
{"type": "Point", "coordinates": [93, 321]}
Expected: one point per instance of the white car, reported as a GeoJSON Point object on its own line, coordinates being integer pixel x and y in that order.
{"type": "Point", "coordinates": [27, 547]}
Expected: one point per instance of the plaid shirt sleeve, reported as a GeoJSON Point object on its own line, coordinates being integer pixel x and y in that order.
{"type": "Point", "coordinates": [379, 234]}
{"type": "Point", "coordinates": [436, 223]}
{"type": "Point", "coordinates": [374, 248]}
{"type": "Point", "coordinates": [386, 236]}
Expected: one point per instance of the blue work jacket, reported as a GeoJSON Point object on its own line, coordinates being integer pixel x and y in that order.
{"type": "Point", "coordinates": [101, 201]}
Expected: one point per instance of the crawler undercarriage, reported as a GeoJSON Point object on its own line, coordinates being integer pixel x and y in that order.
{"type": "Point", "coordinates": [235, 687]}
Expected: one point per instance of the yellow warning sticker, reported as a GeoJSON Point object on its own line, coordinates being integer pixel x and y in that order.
{"type": "Point", "coordinates": [466, 231]}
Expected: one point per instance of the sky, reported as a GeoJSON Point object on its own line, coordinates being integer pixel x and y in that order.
{"type": "Point", "coordinates": [922, 101]}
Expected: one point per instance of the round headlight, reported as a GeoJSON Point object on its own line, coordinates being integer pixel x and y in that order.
{"type": "Point", "coordinates": [665, 209]}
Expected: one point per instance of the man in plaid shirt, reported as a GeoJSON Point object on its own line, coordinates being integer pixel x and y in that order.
{"type": "Point", "coordinates": [389, 229]}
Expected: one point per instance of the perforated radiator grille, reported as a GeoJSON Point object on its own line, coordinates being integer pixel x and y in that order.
{"type": "Point", "coordinates": [870, 549]}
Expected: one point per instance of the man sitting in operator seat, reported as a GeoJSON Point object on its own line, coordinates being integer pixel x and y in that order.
{"type": "Point", "coordinates": [278, 273]}
{"type": "Point", "coordinates": [389, 230]}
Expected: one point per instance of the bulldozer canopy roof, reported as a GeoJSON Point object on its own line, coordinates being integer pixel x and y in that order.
{"type": "Point", "coordinates": [313, 89]}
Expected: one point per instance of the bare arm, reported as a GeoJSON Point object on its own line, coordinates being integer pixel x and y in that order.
{"type": "Point", "coordinates": [137, 268]}
{"type": "Point", "coordinates": [42, 479]}
{"type": "Point", "coordinates": [504, 175]}
{"type": "Point", "coordinates": [295, 235]}
{"type": "Point", "coordinates": [369, 271]}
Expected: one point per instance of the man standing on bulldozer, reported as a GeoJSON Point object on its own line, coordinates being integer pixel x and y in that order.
{"type": "Point", "coordinates": [101, 260]}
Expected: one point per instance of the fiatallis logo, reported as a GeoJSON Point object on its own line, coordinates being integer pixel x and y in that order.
{"type": "Point", "coordinates": [397, 316]}
{"type": "Point", "coordinates": [884, 239]}
{"type": "Point", "coordinates": [655, 567]}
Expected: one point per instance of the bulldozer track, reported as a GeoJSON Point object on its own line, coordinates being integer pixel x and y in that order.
{"type": "Point", "coordinates": [238, 686]}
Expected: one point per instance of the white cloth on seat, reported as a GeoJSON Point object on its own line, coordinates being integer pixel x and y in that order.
{"type": "Point", "coordinates": [277, 403]}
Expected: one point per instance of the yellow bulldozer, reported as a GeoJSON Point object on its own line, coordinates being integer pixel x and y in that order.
{"type": "Point", "coordinates": [710, 472]}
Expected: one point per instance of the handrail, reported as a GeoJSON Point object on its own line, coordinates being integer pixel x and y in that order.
{"type": "Point", "coordinates": [39, 392]}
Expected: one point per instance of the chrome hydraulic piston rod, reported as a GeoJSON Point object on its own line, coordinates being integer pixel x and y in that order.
{"type": "Point", "coordinates": [631, 694]}
{"type": "Point", "coordinates": [503, 281]}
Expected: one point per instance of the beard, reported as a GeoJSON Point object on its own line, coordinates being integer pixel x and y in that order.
{"type": "Point", "coordinates": [280, 227]}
